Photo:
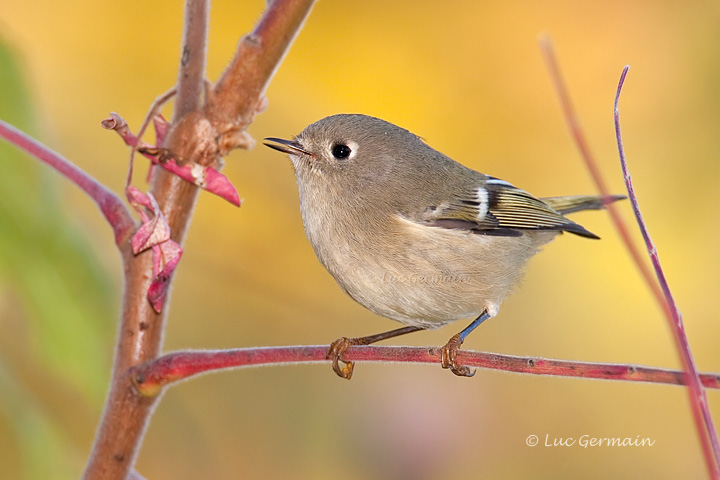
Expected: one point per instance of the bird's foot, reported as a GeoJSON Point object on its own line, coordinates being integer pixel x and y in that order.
{"type": "Point", "coordinates": [335, 353]}
{"type": "Point", "coordinates": [449, 358]}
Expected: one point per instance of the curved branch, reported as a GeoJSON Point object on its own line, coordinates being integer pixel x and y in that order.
{"type": "Point", "coordinates": [112, 207]}
{"type": "Point", "coordinates": [698, 399]}
{"type": "Point", "coordinates": [151, 377]}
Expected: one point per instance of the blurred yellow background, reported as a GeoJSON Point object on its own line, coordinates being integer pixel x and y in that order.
{"type": "Point", "coordinates": [468, 77]}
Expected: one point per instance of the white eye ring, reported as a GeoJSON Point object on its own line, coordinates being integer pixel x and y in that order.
{"type": "Point", "coordinates": [344, 150]}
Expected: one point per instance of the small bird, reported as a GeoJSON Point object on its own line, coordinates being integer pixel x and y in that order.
{"type": "Point", "coordinates": [413, 235]}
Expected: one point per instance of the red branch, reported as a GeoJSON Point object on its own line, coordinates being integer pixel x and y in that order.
{"type": "Point", "coordinates": [111, 206]}
{"type": "Point", "coordinates": [698, 399]}
{"type": "Point", "coordinates": [151, 377]}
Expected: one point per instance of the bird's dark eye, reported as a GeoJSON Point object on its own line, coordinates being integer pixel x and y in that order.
{"type": "Point", "coordinates": [341, 151]}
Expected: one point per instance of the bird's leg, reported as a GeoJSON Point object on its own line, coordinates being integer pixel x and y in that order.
{"type": "Point", "coordinates": [449, 351]}
{"type": "Point", "coordinates": [338, 347]}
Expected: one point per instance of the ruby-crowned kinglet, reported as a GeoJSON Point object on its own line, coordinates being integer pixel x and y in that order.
{"type": "Point", "coordinates": [413, 235]}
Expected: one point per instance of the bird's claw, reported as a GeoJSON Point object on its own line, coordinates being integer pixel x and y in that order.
{"type": "Point", "coordinates": [449, 358]}
{"type": "Point", "coordinates": [335, 353]}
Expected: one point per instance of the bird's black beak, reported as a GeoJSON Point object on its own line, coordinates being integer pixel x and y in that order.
{"type": "Point", "coordinates": [285, 146]}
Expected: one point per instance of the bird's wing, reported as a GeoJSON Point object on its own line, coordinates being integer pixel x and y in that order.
{"type": "Point", "coordinates": [499, 208]}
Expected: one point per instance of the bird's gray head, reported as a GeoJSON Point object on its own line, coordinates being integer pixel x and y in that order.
{"type": "Point", "coordinates": [360, 147]}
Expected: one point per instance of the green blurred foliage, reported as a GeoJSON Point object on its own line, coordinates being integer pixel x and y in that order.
{"type": "Point", "coordinates": [468, 77]}
{"type": "Point", "coordinates": [56, 306]}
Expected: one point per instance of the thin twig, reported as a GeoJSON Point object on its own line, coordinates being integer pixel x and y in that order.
{"type": "Point", "coordinates": [154, 375]}
{"type": "Point", "coordinates": [111, 206]}
{"type": "Point", "coordinates": [698, 399]}
{"type": "Point", "coordinates": [154, 111]}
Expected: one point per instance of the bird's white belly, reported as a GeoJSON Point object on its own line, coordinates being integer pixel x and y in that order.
{"type": "Point", "coordinates": [420, 281]}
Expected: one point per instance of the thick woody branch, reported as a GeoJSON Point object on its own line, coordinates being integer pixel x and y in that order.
{"type": "Point", "coordinates": [126, 413]}
{"type": "Point", "coordinates": [238, 94]}
{"type": "Point", "coordinates": [204, 136]}
{"type": "Point", "coordinates": [150, 378]}
{"type": "Point", "coordinates": [192, 138]}
{"type": "Point", "coordinates": [191, 74]}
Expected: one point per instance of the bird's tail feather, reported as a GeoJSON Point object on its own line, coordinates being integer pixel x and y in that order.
{"type": "Point", "coordinates": [575, 203]}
